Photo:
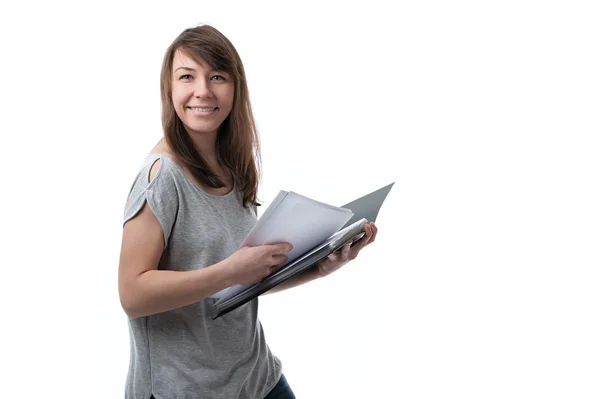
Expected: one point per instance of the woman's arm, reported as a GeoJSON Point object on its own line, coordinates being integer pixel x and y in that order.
{"type": "Point", "coordinates": [145, 290]}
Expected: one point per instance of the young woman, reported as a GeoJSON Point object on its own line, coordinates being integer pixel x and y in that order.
{"type": "Point", "coordinates": [189, 208]}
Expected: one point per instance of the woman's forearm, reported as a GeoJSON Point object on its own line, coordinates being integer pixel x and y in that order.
{"type": "Point", "coordinates": [156, 291]}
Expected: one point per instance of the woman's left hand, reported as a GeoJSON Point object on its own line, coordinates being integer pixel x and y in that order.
{"type": "Point", "coordinates": [347, 253]}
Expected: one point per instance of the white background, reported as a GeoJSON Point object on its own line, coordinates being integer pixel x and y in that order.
{"type": "Point", "coordinates": [484, 279]}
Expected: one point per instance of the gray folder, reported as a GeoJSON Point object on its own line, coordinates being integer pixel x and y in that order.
{"type": "Point", "coordinates": [365, 210]}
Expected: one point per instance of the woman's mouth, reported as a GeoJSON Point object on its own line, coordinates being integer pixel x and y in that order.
{"type": "Point", "coordinates": [203, 110]}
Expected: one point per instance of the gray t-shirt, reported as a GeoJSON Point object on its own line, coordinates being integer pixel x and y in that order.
{"type": "Point", "coordinates": [183, 353]}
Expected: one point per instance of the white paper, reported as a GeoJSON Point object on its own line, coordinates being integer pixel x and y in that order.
{"type": "Point", "coordinates": [299, 220]}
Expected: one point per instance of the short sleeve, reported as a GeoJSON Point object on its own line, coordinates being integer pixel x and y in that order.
{"type": "Point", "coordinates": [161, 194]}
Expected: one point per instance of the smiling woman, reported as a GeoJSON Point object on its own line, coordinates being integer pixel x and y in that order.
{"type": "Point", "coordinates": [191, 205]}
{"type": "Point", "coordinates": [189, 209]}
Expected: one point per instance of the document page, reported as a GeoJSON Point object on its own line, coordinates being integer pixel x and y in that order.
{"type": "Point", "coordinates": [299, 220]}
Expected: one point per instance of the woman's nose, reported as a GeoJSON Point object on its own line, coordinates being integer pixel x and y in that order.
{"type": "Point", "coordinates": [202, 89]}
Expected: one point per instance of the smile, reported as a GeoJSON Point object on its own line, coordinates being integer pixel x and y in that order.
{"type": "Point", "coordinates": [204, 110]}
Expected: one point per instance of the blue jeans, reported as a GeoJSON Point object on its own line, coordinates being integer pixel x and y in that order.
{"type": "Point", "coordinates": [281, 391]}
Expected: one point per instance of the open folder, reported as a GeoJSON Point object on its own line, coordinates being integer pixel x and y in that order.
{"type": "Point", "coordinates": [315, 230]}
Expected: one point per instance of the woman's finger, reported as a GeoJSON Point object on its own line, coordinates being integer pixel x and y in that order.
{"type": "Point", "coordinates": [346, 251]}
{"type": "Point", "coordinates": [367, 238]}
{"type": "Point", "coordinates": [374, 229]}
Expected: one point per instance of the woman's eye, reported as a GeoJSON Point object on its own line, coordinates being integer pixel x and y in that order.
{"type": "Point", "coordinates": [219, 77]}
{"type": "Point", "coordinates": [185, 77]}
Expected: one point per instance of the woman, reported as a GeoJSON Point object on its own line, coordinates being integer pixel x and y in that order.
{"type": "Point", "coordinates": [189, 208]}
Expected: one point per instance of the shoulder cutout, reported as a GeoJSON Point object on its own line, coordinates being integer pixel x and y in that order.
{"type": "Point", "coordinates": [154, 170]}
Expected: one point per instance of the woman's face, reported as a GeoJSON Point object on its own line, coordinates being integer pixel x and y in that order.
{"type": "Point", "coordinates": [202, 97]}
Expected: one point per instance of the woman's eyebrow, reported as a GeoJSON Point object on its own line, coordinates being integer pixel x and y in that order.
{"type": "Point", "coordinates": [193, 70]}
{"type": "Point", "coordinates": [185, 68]}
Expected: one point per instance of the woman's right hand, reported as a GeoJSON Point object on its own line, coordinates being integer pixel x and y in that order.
{"type": "Point", "coordinates": [250, 265]}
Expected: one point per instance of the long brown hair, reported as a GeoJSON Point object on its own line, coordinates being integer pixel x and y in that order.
{"type": "Point", "coordinates": [237, 144]}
